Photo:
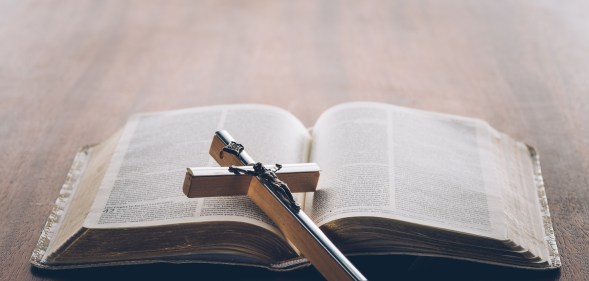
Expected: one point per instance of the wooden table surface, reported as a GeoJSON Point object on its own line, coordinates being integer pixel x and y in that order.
{"type": "Point", "coordinates": [72, 72]}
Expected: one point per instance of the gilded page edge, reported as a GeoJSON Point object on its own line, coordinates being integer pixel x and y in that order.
{"type": "Point", "coordinates": [39, 255]}
{"type": "Point", "coordinates": [546, 219]}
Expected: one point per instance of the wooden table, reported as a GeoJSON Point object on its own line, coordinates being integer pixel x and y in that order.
{"type": "Point", "coordinates": [71, 73]}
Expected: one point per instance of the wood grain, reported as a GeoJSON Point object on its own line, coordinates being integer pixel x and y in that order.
{"type": "Point", "coordinates": [310, 246]}
{"type": "Point", "coordinates": [213, 181]}
{"type": "Point", "coordinates": [72, 72]}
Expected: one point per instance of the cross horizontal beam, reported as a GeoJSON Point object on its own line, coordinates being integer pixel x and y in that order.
{"type": "Point", "coordinates": [219, 181]}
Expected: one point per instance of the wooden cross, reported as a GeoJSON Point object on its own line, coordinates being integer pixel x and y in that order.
{"type": "Point", "coordinates": [274, 197]}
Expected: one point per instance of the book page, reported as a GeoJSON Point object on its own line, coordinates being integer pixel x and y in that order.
{"type": "Point", "coordinates": [143, 183]}
{"type": "Point", "coordinates": [384, 161]}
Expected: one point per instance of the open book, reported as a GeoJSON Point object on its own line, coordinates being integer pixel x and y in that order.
{"type": "Point", "coordinates": [393, 181]}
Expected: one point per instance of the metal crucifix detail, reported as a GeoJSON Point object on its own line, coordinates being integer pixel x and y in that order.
{"type": "Point", "coordinates": [269, 178]}
{"type": "Point", "coordinates": [242, 175]}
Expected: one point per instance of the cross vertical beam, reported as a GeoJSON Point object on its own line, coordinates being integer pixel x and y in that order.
{"type": "Point", "coordinates": [274, 198]}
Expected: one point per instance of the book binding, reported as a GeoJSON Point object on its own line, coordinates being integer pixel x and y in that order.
{"type": "Point", "coordinates": [39, 255]}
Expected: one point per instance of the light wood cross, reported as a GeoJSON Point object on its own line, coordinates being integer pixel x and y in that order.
{"type": "Point", "coordinates": [261, 184]}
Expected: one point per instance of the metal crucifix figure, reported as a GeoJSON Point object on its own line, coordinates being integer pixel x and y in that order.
{"type": "Point", "coordinates": [274, 197]}
{"type": "Point", "coordinates": [269, 178]}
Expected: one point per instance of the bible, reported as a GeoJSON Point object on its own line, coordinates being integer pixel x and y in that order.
{"type": "Point", "coordinates": [393, 181]}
